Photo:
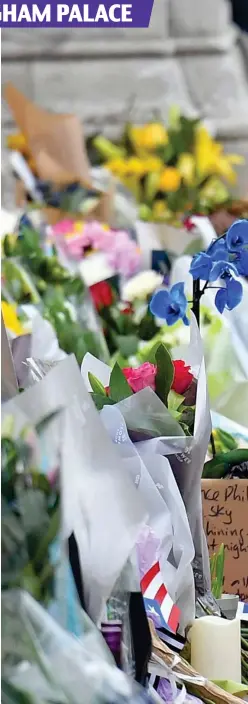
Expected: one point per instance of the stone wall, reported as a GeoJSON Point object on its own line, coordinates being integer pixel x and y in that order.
{"type": "Point", "coordinates": [189, 56]}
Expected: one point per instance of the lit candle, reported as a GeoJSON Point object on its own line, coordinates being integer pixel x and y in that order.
{"type": "Point", "coordinates": [216, 648]}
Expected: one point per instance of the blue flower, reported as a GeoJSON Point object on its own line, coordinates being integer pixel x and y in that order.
{"type": "Point", "coordinates": [170, 305]}
{"type": "Point", "coordinates": [241, 262]}
{"type": "Point", "coordinates": [217, 250]}
{"type": "Point", "coordinates": [237, 236]}
{"type": "Point", "coordinates": [222, 270]}
{"type": "Point", "coordinates": [230, 296]}
{"type": "Point", "coordinates": [201, 266]}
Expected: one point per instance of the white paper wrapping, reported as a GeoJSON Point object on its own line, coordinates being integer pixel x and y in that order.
{"type": "Point", "coordinates": [99, 503]}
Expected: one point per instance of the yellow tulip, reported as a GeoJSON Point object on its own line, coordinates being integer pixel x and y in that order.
{"type": "Point", "coordinates": [11, 319]}
{"type": "Point", "coordinates": [170, 179]}
{"type": "Point", "coordinates": [149, 136]}
{"type": "Point", "coordinates": [17, 142]}
{"type": "Point", "coordinates": [186, 167]}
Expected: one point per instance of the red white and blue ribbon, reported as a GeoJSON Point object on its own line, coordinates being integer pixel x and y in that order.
{"type": "Point", "coordinates": [158, 602]}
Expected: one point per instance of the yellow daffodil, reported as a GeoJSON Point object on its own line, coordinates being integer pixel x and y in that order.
{"type": "Point", "coordinates": [118, 167]}
{"type": "Point", "coordinates": [149, 136]}
{"type": "Point", "coordinates": [135, 166]}
{"type": "Point", "coordinates": [186, 167]}
{"type": "Point", "coordinates": [18, 143]}
{"type": "Point", "coordinates": [170, 179]}
{"type": "Point", "coordinates": [210, 157]}
{"type": "Point", "coordinates": [152, 164]}
{"type": "Point", "coordinates": [11, 319]}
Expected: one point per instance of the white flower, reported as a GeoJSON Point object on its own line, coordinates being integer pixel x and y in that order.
{"type": "Point", "coordinates": [141, 285]}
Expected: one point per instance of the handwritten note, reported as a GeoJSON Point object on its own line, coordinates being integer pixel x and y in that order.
{"type": "Point", "coordinates": [225, 513]}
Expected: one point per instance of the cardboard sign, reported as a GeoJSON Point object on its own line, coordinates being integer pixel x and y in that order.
{"type": "Point", "coordinates": [225, 512]}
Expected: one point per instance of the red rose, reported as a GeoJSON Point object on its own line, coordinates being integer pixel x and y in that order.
{"type": "Point", "coordinates": [182, 378]}
{"type": "Point", "coordinates": [102, 294]}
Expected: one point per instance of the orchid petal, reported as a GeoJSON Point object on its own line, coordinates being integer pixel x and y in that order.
{"type": "Point", "coordinates": [221, 299]}
{"type": "Point", "coordinates": [237, 235]}
{"type": "Point", "coordinates": [241, 262]}
{"type": "Point", "coordinates": [234, 293]}
{"type": "Point", "coordinates": [201, 266]}
{"type": "Point", "coordinates": [159, 303]}
{"type": "Point", "coordinates": [220, 269]}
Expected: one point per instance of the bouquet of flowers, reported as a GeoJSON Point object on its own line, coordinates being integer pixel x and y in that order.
{"type": "Point", "coordinates": [142, 407]}
{"type": "Point", "coordinates": [32, 278]}
{"type": "Point", "coordinates": [101, 251]}
{"type": "Point", "coordinates": [171, 171]}
{"type": "Point", "coordinates": [126, 318]}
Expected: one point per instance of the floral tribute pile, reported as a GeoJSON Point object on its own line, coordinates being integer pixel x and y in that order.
{"type": "Point", "coordinates": [113, 346]}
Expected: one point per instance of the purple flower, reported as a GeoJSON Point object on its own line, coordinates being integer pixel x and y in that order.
{"type": "Point", "coordinates": [170, 305]}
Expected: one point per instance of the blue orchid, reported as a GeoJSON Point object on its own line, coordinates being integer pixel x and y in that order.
{"type": "Point", "coordinates": [201, 266]}
{"type": "Point", "coordinates": [222, 270]}
{"type": "Point", "coordinates": [170, 305]}
{"type": "Point", "coordinates": [217, 250]}
{"type": "Point", "coordinates": [241, 262]}
{"type": "Point", "coordinates": [230, 296]}
{"type": "Point", "coordinates": [237, 236]}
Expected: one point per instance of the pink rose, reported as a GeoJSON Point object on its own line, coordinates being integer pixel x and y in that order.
{"type": "Point", "coordinates": [141, 377]}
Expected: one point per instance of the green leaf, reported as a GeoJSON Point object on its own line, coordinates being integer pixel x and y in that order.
{"type": "Point", "coordinates": [174, 401]}
{"type": "Point", "coordinates": [165, 373]}
{"type": "Point", "coordinates": [96, 385]}
{"type": "Point", "coordinates": [30, 581]}
{"type": "Point", "coordinates": [220, 465]}
{"type": "Point", "coordinates": [100, 401]}
{"type": "Point", "coordinates": [48, 538]}
{"type": "Point", "coordinates": [12, 695]}
{"type": "Point", "coordinates": [118, 385]}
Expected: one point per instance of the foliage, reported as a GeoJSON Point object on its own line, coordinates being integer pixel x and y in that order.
{"type": "Point", "coordinates": [217, 562]}
{"type": "Point", "coordinates": [30, 516]}
{"type": "Point", "coordinates": [31, 276]}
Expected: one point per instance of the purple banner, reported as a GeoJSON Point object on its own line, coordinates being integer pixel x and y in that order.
{"type": "Point", "coordinates": [92, 14]}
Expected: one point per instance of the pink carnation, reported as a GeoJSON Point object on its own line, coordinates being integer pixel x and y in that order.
{"type": "Point", "coordinates": [141, 377]}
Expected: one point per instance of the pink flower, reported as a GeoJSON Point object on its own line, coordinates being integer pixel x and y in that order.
{"type": "Point", "coordinates": [99, 236]}
{"type": "Point", "coordinates": [63, 227]}
{"type": "Point", "coordinates": [124, 256]}
{"type": "Point", "coordinates": [141, 377]}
